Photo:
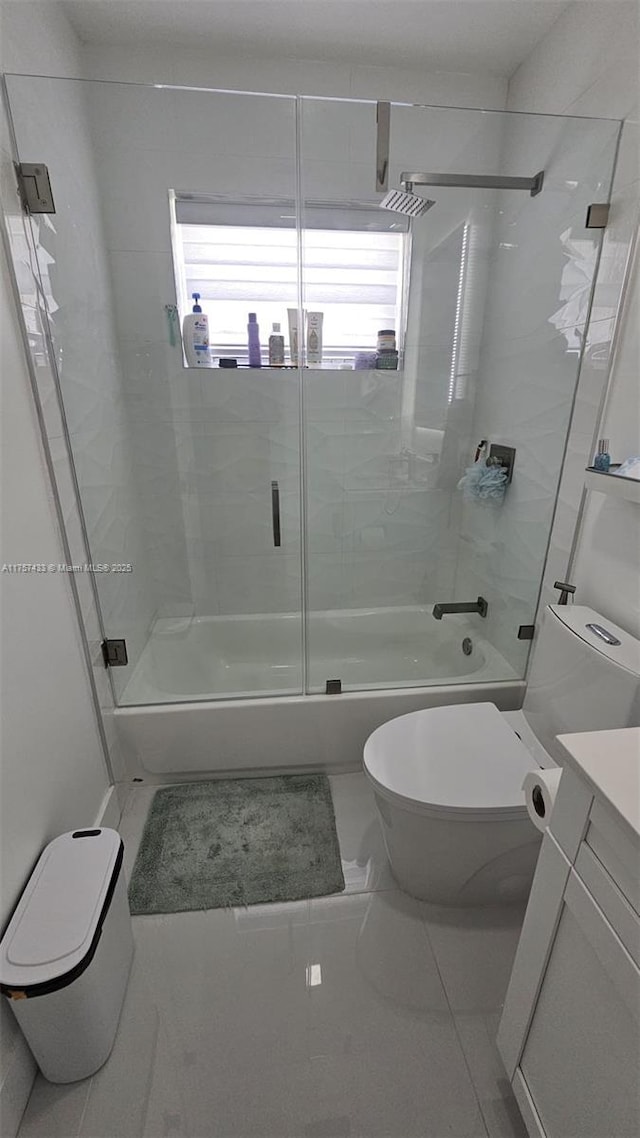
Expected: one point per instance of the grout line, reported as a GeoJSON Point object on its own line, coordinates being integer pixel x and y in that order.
{"type": "Point", "coordinates": [85, 1107]}
{"type": "Point", "coordinates": [425, 925]}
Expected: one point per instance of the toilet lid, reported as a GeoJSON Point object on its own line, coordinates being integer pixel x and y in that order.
{"type": "Point", "coordinates": [461, 758]}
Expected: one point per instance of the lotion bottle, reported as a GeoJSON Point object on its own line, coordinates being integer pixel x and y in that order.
{"type": "Point", "coordinates": [195, 336]}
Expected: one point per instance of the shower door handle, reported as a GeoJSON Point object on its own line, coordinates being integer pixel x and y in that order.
{"type": "Point", "coordinates": [275, 513]}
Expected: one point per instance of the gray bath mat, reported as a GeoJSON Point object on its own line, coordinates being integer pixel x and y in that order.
{"type": "Point", "coordinates": [207, 845]}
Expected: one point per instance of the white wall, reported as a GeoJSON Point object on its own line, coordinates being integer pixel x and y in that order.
{"type": "Point", "coordinates": [289, 76]}
{"type": "Point", "coordinates": [52, 770]}
{"type": "Point", "coordinates": [53, 774]}
{"type": "Point", "coordinates": [37, 39]}
{"type": "Point", "coordinates": [588, 65]}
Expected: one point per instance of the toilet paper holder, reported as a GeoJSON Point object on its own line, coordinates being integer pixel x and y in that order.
{"type": "Point", "coordinates": [539, 804]}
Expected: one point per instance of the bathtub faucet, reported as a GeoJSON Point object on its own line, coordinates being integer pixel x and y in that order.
{"type": "Point", "coordinates": [480, 606]}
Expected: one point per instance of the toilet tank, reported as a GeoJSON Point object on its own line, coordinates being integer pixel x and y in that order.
{"type": "Point", "coordinates": [578, 682]}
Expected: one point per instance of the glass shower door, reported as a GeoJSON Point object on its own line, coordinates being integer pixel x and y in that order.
{"type": "Point", "coordinates": [189, 477]}
{"type": "Point", "coordinates": [489, 307]}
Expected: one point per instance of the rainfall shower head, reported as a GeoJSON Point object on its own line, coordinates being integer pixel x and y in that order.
{"type": "Point", "coordinates": [410, 204]}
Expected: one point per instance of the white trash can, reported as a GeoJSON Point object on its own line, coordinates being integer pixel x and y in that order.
{"type": "Point", "coordinates": [66, 955]}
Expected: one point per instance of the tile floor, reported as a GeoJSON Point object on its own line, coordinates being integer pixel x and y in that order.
{"type": "Point", "coordinates": [362, 1015]}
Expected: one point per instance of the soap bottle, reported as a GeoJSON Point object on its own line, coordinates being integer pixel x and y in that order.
{"type": "Point", "coordinates": [255, 357]}
{"type": "Point", "coordinates": [602, 461]}
{"type": "Point", "coordinates": [195, 336]}
{"type": "Point", "coordinates": [276, 347]}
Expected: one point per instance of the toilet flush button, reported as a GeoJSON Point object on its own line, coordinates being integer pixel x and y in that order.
{"type": "Point", "coordinates": [603, 633]}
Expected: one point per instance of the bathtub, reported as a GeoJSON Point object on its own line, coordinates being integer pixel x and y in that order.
{"type": "Point", "coordinates": [221, 694]}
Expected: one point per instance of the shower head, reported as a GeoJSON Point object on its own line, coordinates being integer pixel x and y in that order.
{"type": "Point", "coordinates": [410, 204]}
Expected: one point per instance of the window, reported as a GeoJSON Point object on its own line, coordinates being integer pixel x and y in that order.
{"type": "Point", "coordinates": [243, 257]}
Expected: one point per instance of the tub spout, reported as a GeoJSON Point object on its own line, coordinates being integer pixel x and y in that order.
{"type": "Point", "coordinates": [480, 606]}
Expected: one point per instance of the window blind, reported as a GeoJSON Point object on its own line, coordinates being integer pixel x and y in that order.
{"type": "Point", "coordinates": [243, 258]}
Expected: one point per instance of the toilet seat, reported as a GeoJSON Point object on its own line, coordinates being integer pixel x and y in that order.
{"type": "Point", "coordinates": [463, 761]}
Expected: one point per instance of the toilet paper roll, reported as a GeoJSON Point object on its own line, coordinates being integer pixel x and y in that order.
{"type": "Point", "coordinates": [540, 789]}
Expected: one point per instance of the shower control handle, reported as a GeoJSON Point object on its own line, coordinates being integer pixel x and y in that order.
{"type": "Point", "coordinates": [275, 513]}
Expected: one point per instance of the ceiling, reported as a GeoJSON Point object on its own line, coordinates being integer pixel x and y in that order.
{"type": "Point", "coordinates": [455, 35]}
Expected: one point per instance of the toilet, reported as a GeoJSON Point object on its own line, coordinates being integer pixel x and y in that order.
{"type": "Point", "coordinates": [448, 780]}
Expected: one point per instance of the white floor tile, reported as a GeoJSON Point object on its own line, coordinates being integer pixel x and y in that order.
{"type": "Point", "coordinates": [364, 859]}
{"type": "Point", "coordinates": [474, 949]}
{"type": "Point", "coordinates": [376, 976]}
{"type": "Point", "coordinates": [384, 1045]}
{"type": "Point", "coordinates": [327, 1018]}
{"type": "Point", "coordinates": [54, 1111]}
{"type": "Point", "coordinates": [477, 1033]}
{"type": "Point", "coordinates": [231, 985]}
{"type": "Point", "coordinates": [118, 1098]}
{"type": "Point", "coordinates": [421, 1093]}
{"type": "Point", "coordinates": [167, 1110]}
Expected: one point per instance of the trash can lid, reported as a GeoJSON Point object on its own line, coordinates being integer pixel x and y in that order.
{"type": "Point", "coordinates": [57, 921]}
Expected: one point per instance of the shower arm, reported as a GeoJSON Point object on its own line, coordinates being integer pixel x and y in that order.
{"type": "Point", "coordinates": [409, 179]}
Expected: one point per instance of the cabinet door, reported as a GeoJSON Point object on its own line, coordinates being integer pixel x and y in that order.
{"type": "Point", "coordinates": [540, 923]}
{"type": "Point", "coordinates": [580, 1059]}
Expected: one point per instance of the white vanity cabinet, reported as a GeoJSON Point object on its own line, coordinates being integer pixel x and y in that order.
{"type": "Point", "coordinates": [570, 1030]}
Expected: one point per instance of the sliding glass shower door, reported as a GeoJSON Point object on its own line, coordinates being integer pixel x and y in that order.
{"type": "Point", "coordinates": [288, 528]}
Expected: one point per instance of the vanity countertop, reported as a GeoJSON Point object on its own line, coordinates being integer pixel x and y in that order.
{"type": "Point", "coordinates": [610, 762]}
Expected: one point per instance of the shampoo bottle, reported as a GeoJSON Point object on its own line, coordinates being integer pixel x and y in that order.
{"type": "Point", "coordinates": [255, 357]}
{"type": "Point", "coordinates": [195, 336]}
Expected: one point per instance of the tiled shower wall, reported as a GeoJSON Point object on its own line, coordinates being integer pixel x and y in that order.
{"type": "Point", "coordinates": [208, 444]}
